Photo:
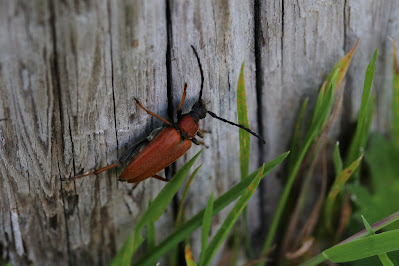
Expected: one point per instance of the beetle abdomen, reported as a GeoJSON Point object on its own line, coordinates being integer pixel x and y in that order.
{"type": "Point", "coordinates": [163, 150]}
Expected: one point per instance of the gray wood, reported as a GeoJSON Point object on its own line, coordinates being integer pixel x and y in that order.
{"type": "Point", "coordinates": [300, 47]}
{"type": "Point", "coordinates": [222, 31]}
{"type": "Point", "coordinates": [69, 73]}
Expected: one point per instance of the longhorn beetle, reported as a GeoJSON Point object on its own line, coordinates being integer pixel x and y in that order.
{"type": "Point", "coordinates": [165, 145]}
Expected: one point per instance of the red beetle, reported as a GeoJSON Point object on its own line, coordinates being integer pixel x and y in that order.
{"type": "Point", "coordinates": [165, 145]}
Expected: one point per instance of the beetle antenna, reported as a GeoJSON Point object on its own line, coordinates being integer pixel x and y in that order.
{"type": "Point", "coordinates": [202, 73]}
{"type": "Point", "coordinates": [237, 125]}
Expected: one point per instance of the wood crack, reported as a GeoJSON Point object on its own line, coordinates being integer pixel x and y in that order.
{"type": "Point", "coordinates": [68, 245]}
{"type": "Point", "coordinates": [57, 95]}
{"type": "Point", "coordinates": [259, 95]}
{"type": "Point", "coordinates": [171, 108]}
{"type": "Point", "coordinates": [112, 74]}
{"type": "Point", "coordinates": [344, 44]}
{"type": "Point", "coordinates": [169, 47]}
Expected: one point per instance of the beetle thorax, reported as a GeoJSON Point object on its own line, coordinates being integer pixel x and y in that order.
{"type": "Point", "coordinates": [188, 125]}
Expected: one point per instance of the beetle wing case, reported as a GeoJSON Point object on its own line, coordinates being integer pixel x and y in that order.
{"type": "Point", "coordinates": [165, 148]}
{"type": "Point", "coordinates": [147, 140]}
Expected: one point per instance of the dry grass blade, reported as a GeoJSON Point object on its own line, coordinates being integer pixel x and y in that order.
{"type": "Point", "coordinates": [302, 250]}
{"type": "Point", "coordinates": [346, 212]}
{"type": "Point", "coordinates": [335, 112]}
{"type": "Point", "coordinates": [320, 142]}
{"type": "Point", "coordinates": [315, 214]}
{"type": "Point", "coordinates": [189, 256]}
{"type": "Point", "coordinates": [311, 223]}
{"type": "Point", "coordinates": [262, 258]}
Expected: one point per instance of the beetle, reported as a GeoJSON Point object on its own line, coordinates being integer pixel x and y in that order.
{"type": "Point", "coordinates": [166, 144]}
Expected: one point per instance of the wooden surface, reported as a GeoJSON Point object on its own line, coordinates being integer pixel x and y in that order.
{"type": "Point", "coordinates": [69, 73]}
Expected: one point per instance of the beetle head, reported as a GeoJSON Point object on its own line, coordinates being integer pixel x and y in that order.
{"type": "Point", "coordinates": [198, 111]}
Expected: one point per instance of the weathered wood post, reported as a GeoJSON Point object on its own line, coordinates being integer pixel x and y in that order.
{"type": "Point", "coordinates": [69, 71]}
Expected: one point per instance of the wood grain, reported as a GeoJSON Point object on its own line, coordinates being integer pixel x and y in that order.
{"type": "Point", "coordinates": [69, 73]}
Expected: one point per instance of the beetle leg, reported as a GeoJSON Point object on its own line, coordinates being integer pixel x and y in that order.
{"type": "Point", "coordinates": [182, 101]}
{"type": "Point", "coordinates": [135, 185]}
{"type": "Point", "coordinates": [153, 114]}
{"type": "Point", "coordinates": [203, 143]}
{"type": "Point", "coordinates": [198, 142]}
{"type": "Point", "coordinates": [201, 132]}
{"type": "Point", "coordinates": [96, 172]}
{"type": "Point", "coordinates": [160, 178]}
{"type": "Point", "coordinates": [195, 141]}
{"type": "Point", "coordinates": [168, 172]}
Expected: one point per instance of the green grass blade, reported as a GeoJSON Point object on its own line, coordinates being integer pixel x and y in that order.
{"type": "Point", "coordinates": [395, 98]}
{"type": "Point", "coordinates": [360, 235]}
{"type": "Point", "coordinates": [342, 68]}
{"type": "Point", "coordinates": [173, 258]}
{"type": "Point", "coordinates": [284, 196]}
{"type": "Point", "coordinates": [151, 237]}
{"type": "Point", "coordinates": [189, 226]}
{"type": "Point", "coordinates": [321, 112]}
{"type": "Point", "coordinates": [337, 187]}
{"type": "Point", "coordinates": [367, 85]}
{"type": "Point", "coordinates": [376, 226]}
{"type": "Point", "coordinates": [319, 101]}
{"type": "Point", "coordinates": [159, 204]}
{"type": "Point", "coordinates": [320, 115]}
{"type": "Point", "coordinates": [179, 217]}
{"type": "Point", "coordinates": [316, 260]}
{"type": "Point", "coordinates": [124, 255]}
{"type": "Point", "coordinates": [297, 136]}
{"type": "Point", "coordinates": [364, 136]}
{"type": "Point", "coordinates": [356, 144]}
{"type": "Point", "coordinates": [337, 159]}
{"type": "Point", "coordinates": [231, 219]}
{"type": "Point", "coordinates": [235, 249]}
{"type": "Point", "coordinates": [245, 146]}
{"type": "Point", "coordinates": [336, 75]}
{"type": "Point", "coordinates": [383, 257]}
{"type": "Point", "coordinates": [206, 226]}
{"type": "Point", "coordinates": [244, 136]}
{"type": "Point", "coordinates": [313, 132]}
{"type": "Point", "coordinates": [365, 247]}
{"type": "Point", "coordinates": [369, 230]}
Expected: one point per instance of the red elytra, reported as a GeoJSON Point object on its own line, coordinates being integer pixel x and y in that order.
{"type": "Point", "coordinates": [162, 151]}
{"type": "Point", "coordinates": [165, 145]}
